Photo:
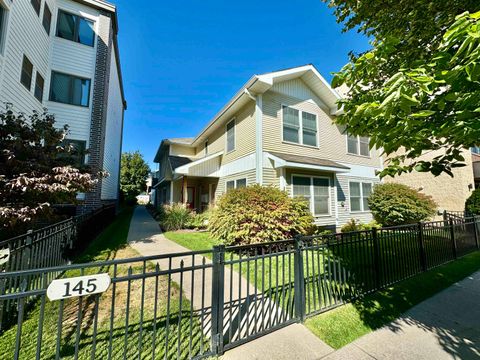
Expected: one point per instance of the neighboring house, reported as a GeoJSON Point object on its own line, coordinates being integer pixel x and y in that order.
{"type": "Point", "coordinates": [450, 193]}
{"type": "Point", "coordinates": [63, 55]}
{"type": "Point", "coordinates": [277, 130]}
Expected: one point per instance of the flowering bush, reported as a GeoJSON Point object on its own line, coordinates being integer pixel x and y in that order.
{"type": "Point", "coordinates": [257, 214]}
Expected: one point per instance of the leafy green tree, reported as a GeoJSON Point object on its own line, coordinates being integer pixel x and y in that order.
{"type": "Point", "coordinates": [133, 174]}
{"type": "Point", "coordinates": [418, 89]}
{"type": "Point", "coordinates": [38, 168]}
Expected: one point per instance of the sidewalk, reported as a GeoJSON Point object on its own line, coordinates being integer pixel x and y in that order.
{"type": "Point", "coordinates": [295, 340]}
{"type": "Point", "coordinates": [446, 326]}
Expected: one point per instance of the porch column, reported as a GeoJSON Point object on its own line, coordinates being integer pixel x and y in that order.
{"type": "Point", "coordinates": [184, 190]}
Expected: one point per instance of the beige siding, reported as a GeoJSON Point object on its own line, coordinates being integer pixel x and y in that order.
{"type": "Point", "coordinates": [244, 136]}
{"type": "Point", "coordinates": [332, 143]}
{"type": "Point", "coordinates": [449, 193]}
{"type": "Point", "coordinates": [249, 175]}
{"type": "Point", "coordinates": [271, 177]}
{"type": "Point", "coordinates": [182, 150]}
{"type": "Point", "coordinates": [343, 199]}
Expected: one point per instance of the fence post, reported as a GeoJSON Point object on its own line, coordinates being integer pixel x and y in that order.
{"type": "Point", "coordinates": [218, 281]}
{"type": "Point", "coordinates": [454, 241]}
{"type": "Point", "coordinates": [475, 231]}
{"type": "Point", "coordinates": [299, 280]}
{"type": "Point", "coordinates": [376, 258]}
{"type": "Point", "coordinates": [423, 254]}
{"type": "Point", "coordinates": [27, 253]}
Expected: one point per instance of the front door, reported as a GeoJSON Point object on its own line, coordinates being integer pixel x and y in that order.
{"type": "Point", "coordinates": [191, 197]}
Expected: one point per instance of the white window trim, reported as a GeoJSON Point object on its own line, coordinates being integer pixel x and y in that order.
{"type": "Point", "coordinates": [312, 205]}
{"type": "Point", "coordinates": [234, 120]}
{"type": "Point", "coordinates": [361, 196]}
{"type": "Point", "coordinates": [235, 182]}
{"type": "Point", "coordinates": [358, 148]}
{"type": "Point", "coordinates": [300, 129]}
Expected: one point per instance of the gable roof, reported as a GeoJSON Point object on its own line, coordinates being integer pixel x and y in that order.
{"type": "Point", "coordinates": [259, 84]}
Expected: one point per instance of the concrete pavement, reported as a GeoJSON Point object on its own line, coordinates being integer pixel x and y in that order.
{"type": "Point", "coordinates": [146, 237]}
{"type": "Point", "coordinates": [446, 326]}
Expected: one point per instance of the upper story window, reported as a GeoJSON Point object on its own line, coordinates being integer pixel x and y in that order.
{"type": "Point", "coordinates": [3, 23]}
{"type": "Point", "coordinates": [27, 73]}
{"type": "Point", "coordinates": [475, 149]}
{"type": "Point", "coordinates": [75, 28]}
{"type": "Point", "coordinates": [39, 85]}
{"type": "Point", "coordinates": [47, 18]}
{"type": "Point", "coordinates": [359, 193]}
{"type": "Point", "coordinates": [299, 127]}
{"type": "Point", "coordinates": [37, 4]}
{"type": "Point", "coordinates": [69, 89]}
{"type": "Point", "coordinates": [231, 136]}
{"type": "Point", "coordinates": [315, 190]}
{"type": "Point", "coordinates": [358, 145]}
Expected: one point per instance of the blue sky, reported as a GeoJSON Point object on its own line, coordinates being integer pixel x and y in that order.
{"type": "Point", "coordinates": [183, 60]}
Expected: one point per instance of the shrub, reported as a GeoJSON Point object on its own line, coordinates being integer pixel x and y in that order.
{"type": "Point", "coordinates": [175, 217]}
{"type": "Point", "coordinates": [199, 221]}
{"type": "Point", "coordinates": [257, 214]}
{"type": "Point", "coordinates": [396, 204]}
{"type": "Point", "coordinates": [472, 205]}
{"type": "Point", "coordinates": [357, 225]}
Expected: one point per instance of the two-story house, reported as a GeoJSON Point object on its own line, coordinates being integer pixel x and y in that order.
{"type": "Point", "coordinates": [277, 130]}
{"type": "Point", "coordinates": [63, 55]}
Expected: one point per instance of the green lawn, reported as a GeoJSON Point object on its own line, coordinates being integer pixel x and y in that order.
{"type": "Point", "coordinates": [147, 315]}
{"type": "Point", "coordinates": [349, 322]}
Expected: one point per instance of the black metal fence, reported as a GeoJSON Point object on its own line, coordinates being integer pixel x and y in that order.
{"type": "Point", "coordinates": [47, 247]}
{"type": "Point", "coordinates": [201, 303]}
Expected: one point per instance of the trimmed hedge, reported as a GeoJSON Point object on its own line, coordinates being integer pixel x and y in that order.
{"type": "Point", "coordinates": [258, 214]}
{"type": "Point", "coordinates": [397, 204]}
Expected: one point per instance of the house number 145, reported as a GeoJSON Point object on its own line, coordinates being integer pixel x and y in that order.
{"type": "Point", "coordinates": [78, 286]}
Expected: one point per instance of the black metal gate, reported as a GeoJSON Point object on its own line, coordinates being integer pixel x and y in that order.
{"type": "Point", "coordinates": [201, 303]}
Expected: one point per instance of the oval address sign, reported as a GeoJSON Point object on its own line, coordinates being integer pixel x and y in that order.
{"type": "Point", "coordinates": [78, 286]}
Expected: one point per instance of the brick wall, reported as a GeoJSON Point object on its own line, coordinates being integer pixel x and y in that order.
{"type": "Point", "coordinates": [99, 105]}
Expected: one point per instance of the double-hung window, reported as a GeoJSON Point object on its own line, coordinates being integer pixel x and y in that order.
{"type": "Point", "coordinates": [235, 184]}
{"type": "Point", "coordinates": [359, 193]}
{"type": "Point", "coordinates": [39, 85]}
{"type": "Point", "coordinates": [27, 73]}
{"type": "Point", "coordinates": [230, 136]}
{"type": "Point", "coordinates": [75, 28]}
{"type": "Point", "coordinates": [315, 190]}
{"type": "Point", "coordinates": [299, 127]}
{"type": "Point", "coordinates": [358, 145]}
{"type": "Point", "coordinates": [69, 89]}
{"type": "Point", "coordinates": [47, 18]}
{"type": "Point", "coordinates": [37, 4]}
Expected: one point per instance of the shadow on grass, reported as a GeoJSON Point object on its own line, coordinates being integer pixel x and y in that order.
{"type": "Point", "coordinates": [456, 335]}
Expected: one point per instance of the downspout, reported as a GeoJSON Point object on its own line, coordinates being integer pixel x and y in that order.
{"type": "Point", "coordinates": [258, 136]}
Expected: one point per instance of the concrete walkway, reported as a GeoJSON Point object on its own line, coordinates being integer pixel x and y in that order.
{"type": "Point", "coordinates": [146, 237]}
{"type": "Point", "coordinates": [446, 326]}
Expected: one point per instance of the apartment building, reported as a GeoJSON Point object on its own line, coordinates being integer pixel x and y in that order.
{"type": "Point", "coordinates": [63, 55]}
{"type": "Point", "coordinates": [277, 130]}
